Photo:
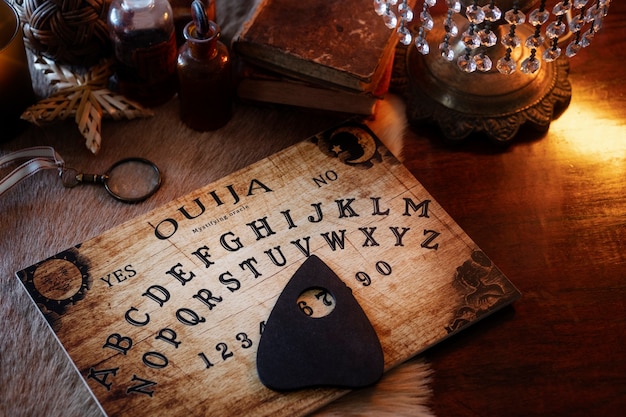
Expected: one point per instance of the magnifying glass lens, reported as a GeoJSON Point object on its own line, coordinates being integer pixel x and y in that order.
{"type": "Point", "coordinates": [133, 180]}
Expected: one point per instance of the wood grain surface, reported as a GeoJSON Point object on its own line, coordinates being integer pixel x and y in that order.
{"type": "Point", "coordinates": [551, 212]}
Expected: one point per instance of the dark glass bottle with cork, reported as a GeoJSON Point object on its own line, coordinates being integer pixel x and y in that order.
{"type": "Point", "coordinates": [144, 41]}
{"type": "Point", "coordinates": [204, 74]}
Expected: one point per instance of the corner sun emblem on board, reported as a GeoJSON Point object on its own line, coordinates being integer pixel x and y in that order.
{"type": "Point", "coordinates": [57, 281]}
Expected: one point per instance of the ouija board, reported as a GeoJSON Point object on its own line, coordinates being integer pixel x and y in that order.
{"type": "Point", "coordinates": [163, 314]}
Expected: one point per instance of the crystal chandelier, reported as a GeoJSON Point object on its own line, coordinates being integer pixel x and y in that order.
{"type": "Point", "coordinates": [495, 38]}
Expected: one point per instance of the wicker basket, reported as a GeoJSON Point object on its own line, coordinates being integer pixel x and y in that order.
{"type": "Point", "coordinates": [68, 31]}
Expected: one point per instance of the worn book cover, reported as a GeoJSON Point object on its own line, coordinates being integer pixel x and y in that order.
{"type": "Point", "coordinates": [261, 85]}
{"type": "Point", "coordinates": [340, 43]}
{"type": "Point", "coordinates": [164, 314]}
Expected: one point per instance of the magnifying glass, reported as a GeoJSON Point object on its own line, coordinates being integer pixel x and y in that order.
{"type": "Point", "coordinates": [129, 180]}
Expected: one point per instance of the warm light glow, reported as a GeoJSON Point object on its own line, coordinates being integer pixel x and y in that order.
{"type": "Point", "coordinates": [591, 131]}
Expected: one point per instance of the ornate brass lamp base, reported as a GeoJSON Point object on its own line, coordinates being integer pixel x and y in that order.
{"type": "Point", "coordinates": [436, 90]}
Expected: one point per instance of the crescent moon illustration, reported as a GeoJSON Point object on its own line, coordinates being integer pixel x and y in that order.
{"type": "Point", "coordinates": [364, 139]}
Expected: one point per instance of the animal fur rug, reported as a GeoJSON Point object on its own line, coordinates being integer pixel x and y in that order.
{"type": "Point", "coordinates": [39, 218]}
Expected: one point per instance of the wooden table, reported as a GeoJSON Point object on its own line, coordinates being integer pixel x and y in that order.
{"type": "Point", "coordinates": [551, 213]}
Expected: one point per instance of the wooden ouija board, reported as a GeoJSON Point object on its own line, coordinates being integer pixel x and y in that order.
{"type": "Point", "coordinates": [164, 313]}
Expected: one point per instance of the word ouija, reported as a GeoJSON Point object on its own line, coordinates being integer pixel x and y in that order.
{"type": "Point", "coordinates": [168, 227]}
{"type": "Point", "coordinates": [172, 225]}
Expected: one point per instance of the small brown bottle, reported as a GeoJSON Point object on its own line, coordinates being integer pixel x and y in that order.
{"type": "Point", "coordinates": [204, 74]}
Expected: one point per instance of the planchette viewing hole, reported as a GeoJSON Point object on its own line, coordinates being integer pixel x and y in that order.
{"type": "Point", "coordinates": [316, 302]}
{"type": "Point", "coordinates": [317, 335]}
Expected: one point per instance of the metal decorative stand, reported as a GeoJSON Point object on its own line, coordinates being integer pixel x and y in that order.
{"type": "Point", "coordinates": [461, 103]}
{"type": "Point", "coordinates": [488, 65]}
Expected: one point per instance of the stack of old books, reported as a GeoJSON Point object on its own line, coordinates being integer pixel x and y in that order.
{"type": "Point", "coordinates": [318, 54]}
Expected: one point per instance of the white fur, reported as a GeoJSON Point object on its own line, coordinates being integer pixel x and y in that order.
{"type": "Point", "coordinates": [389, 124]}
{"type": "Point", "coordinates": [403, 391]}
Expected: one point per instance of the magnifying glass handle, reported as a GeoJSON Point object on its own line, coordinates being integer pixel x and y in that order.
{"type": "Point", "coordinates": [129, 180]}
{"type": "Point", "coordinates": [91, 178]}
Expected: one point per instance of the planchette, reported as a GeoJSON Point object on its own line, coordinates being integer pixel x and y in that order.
{"type": "Point", "coordinates": [318, 335]}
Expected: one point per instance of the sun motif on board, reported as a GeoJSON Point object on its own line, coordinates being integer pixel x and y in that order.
{"type": "Point", "coordinates": [57, 282]}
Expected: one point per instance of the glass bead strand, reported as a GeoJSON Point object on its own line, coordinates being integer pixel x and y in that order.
{"type": "Point", "coordinates": [537, 18]}
{"type": "Point", "coordinates": [451, 29]}
{"type": "Point", "coordinates": [427, 24]}
{"type": "Point", "coordinates": [556, 30]}
{"type": "Point", "coordinates": [514, 17]}
{"type": "Point", "coordinates": [471, 40]}
{"type": "Point", "coordinates": [406, 16]}
{"type": "Point", "coordinates": [575, 26]}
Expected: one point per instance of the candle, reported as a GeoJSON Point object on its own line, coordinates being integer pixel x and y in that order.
{"type": "Point", "coordinates": [16, 89]}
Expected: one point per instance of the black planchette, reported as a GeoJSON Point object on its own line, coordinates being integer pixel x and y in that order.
{"type": "Point", "coordinates": [299, 350]}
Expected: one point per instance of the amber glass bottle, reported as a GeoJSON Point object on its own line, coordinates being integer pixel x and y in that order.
{"type": "Point", "coordinates": [144, 41]}
{"type": "Point", "coordinates": [205, 79]}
